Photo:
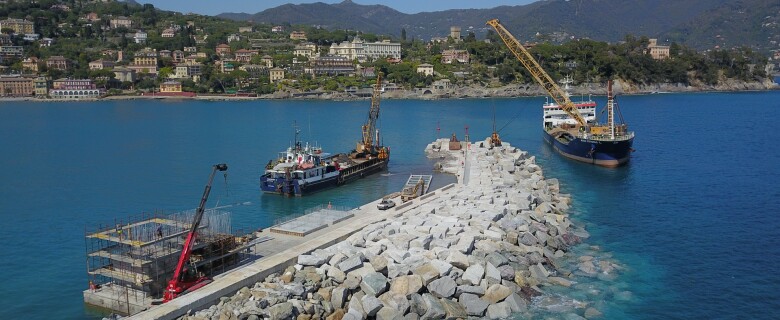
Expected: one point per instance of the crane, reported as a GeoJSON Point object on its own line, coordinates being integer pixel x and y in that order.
{"type": "Point", "coordinates": [558, 95]}
{"type": "Point", "coordinates": [368, 145]}
{"type": "Point", "coordinates": [179, 283]}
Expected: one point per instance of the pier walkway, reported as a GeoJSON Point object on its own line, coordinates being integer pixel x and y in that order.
{"type": "Point", "coordinates": [279, 252]}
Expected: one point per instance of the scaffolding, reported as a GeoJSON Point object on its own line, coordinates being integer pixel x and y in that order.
{"type": "Point", "coordinates": [130, 262]}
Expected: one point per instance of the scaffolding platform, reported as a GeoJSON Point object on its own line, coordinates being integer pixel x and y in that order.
{"type": "Point", "coordinates": [312, 220]}
{"type": "Point", "coordinates": [129, 263]}
{"type": "Point", "coordinates": [118, 298]}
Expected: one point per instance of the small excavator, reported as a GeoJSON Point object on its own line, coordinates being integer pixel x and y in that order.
{"type": "Point", "coordinates": [184, 280]}
{"type": "Point", "coordinates": [411, 193]}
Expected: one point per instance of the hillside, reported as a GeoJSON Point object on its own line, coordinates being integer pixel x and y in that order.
{"type": "Point", "coordinates": [691, 22]}
{"type": "Point", "coordinates": [728, 24]}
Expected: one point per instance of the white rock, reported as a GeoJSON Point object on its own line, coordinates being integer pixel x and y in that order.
{"type": "Point", "coordinates": [473, 274]}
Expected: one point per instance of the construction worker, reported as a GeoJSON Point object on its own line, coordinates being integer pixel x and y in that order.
{"type": "Point", "coordinates": [119, 232]}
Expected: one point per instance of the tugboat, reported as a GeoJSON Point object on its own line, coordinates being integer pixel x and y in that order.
{"type": "Point", "coordinates": [304, 169]}
{"type": "Point", "coordinates": [566, 129]}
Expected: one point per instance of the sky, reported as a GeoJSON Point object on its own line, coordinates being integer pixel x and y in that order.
{"type": "Point", "coordinates": [212, 7]}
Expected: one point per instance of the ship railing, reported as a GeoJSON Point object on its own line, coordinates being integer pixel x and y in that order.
{"type": "Point", "coordinates": [618, 137]}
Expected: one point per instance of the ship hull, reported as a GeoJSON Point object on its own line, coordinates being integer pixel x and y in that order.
{"type": "Point", "coordinates": [298, 188]}
{"type": "Point", "coordinates": [295, 187]}
{"type": "Point", "coordinates": [604, 153]}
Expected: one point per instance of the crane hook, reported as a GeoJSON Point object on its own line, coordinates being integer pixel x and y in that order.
{"type": "Point", "coordinates": [227, 191]}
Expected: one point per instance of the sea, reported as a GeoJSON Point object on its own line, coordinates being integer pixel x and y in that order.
{"type": "Point", "coordinates": [693, 220]}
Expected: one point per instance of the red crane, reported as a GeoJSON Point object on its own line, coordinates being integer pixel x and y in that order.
{"type": "Point", "coordinates": [181, 282]}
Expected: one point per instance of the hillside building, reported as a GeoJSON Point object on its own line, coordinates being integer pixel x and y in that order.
{"type": "Point", "coordinates": [31, 64]}
{"type": "Point", "coordinates": [245, 56]}
{"type": "Point", "coordinates": [268, 61]}
{"type": "Point", "coordinates": [233, 37]}
{"type": "Point", "coordinates": [177, 56]}
{"type": "Point", "coordinates": [455, 33]}
{"type": "Point", "coordinates": [16, 86]}
{"type": "Point", "coordinates": [255, 71]}
{"type": "Point", "coordinates": [168, 33]}
{"type": "Point", "coordinates": [276, 74]}
{"type": "Point", "coordinates": [140, 37]}
{"type": "Point", "coordinates": [361, 50]}
{"type": "Point", "coordinates": [123, 22]}
{"type": "Point", "coordinates": [20, 26]}
{"type": "Point", "coordinates": [74, 89]}
{"type": "Point", "coordinates": [101, 64]}
{"type": "Point", "coordinates": [58, 63]}
{"type": "Point", "coordinates": [189, 71]}
{"type": "Point", "coordinates": [425, 69]}
{"type": "Point", "coordinates": [448, 56]}
{"type": "Point", "coordinates": [124, 74]}
{"type": "Point", "coordinates": [298, 35]}
{"type": "Point", "coordinates": [656, 51]}
{"type": "Point", "coordinates": [11, 52]}
{"type": "Point", "coordinates": [41, 85]}
{"type": "Point", "coordinates": [223, 49]}
{"type": "Point", "coordinates": [307, 50]}
{"type": "Point", "coordinates": [170, 86]}
{"type": "Point", "coordinates": [330, 65]}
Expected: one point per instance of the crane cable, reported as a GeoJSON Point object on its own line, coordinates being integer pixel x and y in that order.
{"type": "Point", "coordinates": [510, 120]}
{"type": "Point", "coordinates": [227, 190]}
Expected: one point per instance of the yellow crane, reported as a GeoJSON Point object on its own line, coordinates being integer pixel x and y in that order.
{"type": "Point", "coordinates": [558, 95]}
{"type": "Point", "coordinates": [368, 145]}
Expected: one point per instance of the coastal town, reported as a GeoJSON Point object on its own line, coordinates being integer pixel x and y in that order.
{"type": "Point", "coordinates": [540, 159]}
{"type": "Point", "coordinates": [98, 49]}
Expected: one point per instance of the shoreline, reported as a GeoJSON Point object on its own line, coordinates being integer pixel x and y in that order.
{"type": "Point", "coordinates": [464, 92]}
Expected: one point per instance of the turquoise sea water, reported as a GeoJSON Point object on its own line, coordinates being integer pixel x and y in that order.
{"type": "Point", "coordinates": [692, 219]}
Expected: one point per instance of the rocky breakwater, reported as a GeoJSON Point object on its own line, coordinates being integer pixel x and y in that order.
{"type": "Point", "coordinates": [489, 248]}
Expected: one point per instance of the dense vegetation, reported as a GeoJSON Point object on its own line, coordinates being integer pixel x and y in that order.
{"type": "Point", "coordinates": [491, 63]}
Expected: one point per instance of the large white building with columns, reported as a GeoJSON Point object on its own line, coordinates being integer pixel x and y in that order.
{"type": "Point", "coordinates": [362, 51]}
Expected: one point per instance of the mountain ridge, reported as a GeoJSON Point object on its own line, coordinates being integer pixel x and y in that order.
{"type": "Point", "coordinates": [688, 22]}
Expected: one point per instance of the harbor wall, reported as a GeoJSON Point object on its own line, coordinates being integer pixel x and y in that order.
{"type": "Point", "coordinates": [497, 243]}
{"type": "Point", "coordinates": [256, 272]}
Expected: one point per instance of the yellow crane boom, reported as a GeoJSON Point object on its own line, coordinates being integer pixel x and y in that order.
{"type": "Point", "coordinates": [558, 95]}
{"type": "Point", "coordinates": [370, 127]}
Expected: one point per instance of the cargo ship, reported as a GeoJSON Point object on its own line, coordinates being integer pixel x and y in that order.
{"type": "Point", "coordinates": [303, 169]}
{"type": "Point", "coordinates": [572, 128]}
{"type": "Point", "coordinates": [608, 144]}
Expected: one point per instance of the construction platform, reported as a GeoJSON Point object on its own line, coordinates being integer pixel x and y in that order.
{"type": "Point", "coordinates": [278, 253]}
{"type": "Point", "coordinates": [129, 263]}
{"type": "Point", "coordinates": [311, 220]}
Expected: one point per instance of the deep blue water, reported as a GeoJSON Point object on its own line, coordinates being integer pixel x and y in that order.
{"type": "Point", "coordinates": [692, 218]}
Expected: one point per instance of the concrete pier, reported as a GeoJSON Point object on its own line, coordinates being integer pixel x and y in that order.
{"type": "Point", "coordinates": [496, 243]}
{"type": "Point", "coordinates": [278, 253]}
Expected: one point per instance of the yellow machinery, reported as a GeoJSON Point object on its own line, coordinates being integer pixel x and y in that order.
{"type": "Point", "coordinates": [559, 96]}
{"type": "Point", "coordinates": [410, 193]}
{"type": "Point", "coordinates": [370, 145]}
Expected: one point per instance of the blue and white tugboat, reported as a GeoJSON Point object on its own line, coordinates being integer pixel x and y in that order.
{"type": "Point", "coordinates": [304, 169]}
